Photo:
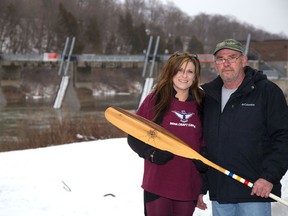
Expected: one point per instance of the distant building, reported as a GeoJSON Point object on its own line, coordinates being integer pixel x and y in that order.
{"type": "Point", "coordinates": [273, 56]}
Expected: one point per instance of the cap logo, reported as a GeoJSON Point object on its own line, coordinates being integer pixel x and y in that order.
{"type": "Point", "coordinates": [228, 42]}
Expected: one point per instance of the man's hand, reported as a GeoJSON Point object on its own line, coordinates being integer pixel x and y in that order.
{"type": "Point", "coordinates": [262, 188]}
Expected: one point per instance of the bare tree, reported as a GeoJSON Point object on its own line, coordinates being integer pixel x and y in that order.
{"type": "Point", "coordinates": [39, 26]}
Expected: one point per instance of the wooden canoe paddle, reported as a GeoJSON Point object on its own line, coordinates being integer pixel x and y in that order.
{"type": "Point", "coordinates": [154, 135]}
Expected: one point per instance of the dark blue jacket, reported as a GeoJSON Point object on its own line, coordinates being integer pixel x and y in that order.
{"type": "Point", "coordinates": [249, 138]}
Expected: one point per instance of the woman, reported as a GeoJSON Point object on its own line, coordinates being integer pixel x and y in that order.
{"type": "Point", "coordinates": [171, 183]}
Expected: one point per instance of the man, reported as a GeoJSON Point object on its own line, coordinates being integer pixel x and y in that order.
{"type": "Point", "coordinates": [245, 125]}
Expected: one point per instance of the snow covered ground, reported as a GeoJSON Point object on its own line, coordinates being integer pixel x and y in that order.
{"type": "Point", "coordinates": [100, 178]}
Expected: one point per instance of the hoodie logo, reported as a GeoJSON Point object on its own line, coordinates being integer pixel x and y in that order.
{"type": "Point", "coordinates": [183, 116]}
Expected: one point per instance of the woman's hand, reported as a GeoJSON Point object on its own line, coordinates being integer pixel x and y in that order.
{"type": "Point", "coordinates": [200, 203]}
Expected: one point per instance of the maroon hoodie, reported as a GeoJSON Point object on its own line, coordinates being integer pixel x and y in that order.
{"type": "Point", "coordinates": [178, 179]}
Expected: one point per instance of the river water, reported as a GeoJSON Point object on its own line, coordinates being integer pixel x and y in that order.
{"type": "Point", "coordinates": [17, 115]}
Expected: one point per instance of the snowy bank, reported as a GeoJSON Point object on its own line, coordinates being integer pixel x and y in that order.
{"type": "Point", "coordinates": [80, 179]}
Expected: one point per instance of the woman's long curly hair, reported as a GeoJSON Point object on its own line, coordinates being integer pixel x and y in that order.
{"type": "Point", "coordinates": [164, 90]}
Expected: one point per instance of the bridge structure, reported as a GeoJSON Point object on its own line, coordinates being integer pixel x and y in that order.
{"type": "Point", "coordinates": [12, 65]}
{"type": "Point", "coordinates": [12, 68]}
{"type": "Point", "coordinates": [84, 59]}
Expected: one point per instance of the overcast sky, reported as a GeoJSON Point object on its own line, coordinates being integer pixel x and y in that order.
{"type": "Point", "coordinates": [268, 15]}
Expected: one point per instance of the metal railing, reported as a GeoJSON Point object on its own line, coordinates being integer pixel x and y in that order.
{"type": "Point", "coordinates": [83, 57]}
{"type": "Point", "coordinates": [95, 58]}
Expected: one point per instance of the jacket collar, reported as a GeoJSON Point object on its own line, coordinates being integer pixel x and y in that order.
{"type": "Point", "coordinates": [252, 76]}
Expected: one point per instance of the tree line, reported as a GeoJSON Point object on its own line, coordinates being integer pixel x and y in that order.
{"type": "Point", "coordinates": [113, 27]}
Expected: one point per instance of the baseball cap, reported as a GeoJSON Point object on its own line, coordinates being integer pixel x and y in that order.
{"type": "Point", "coordinates": [229, 44]}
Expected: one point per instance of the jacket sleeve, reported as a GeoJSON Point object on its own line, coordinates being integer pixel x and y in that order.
{"type": "Point", "coordinates": [145, 110]}
{"type": "Point", "coordinates": [203, 169]}
{"type": "Point", "coordinates": [138, 146]}
{"type": "Point", "coordinates": [204, 188]}
{"type": "Point", "coordinates": [275, 160]}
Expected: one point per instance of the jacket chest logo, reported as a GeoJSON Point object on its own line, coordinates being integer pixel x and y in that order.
{"type": "Point", "coordinates": [248, 104]}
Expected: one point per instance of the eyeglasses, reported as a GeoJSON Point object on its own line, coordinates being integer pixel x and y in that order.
{"type": "Point", "coordinates": [185, 54]}
{"type": "Point", "coordinates": [230, 59]}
